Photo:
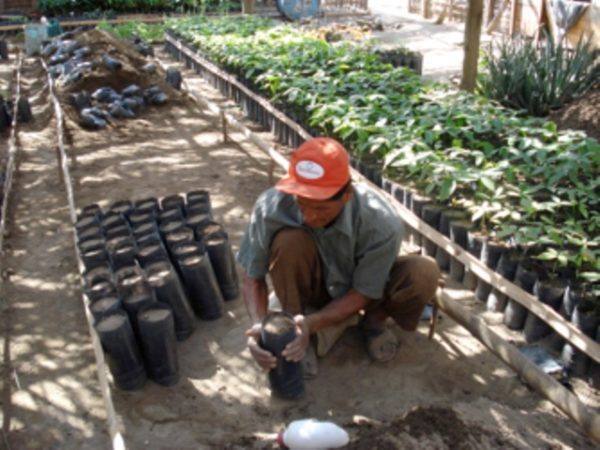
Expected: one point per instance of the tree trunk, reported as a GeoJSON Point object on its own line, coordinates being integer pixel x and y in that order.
{"type": "Point", "coordinates": [248, 6]}
{"type": "Point", "coordinates": [472, 36]}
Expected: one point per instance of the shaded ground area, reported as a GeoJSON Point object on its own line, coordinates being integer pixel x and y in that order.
{"type": "Point", "coordinates": [582, 114]}
{"type": "Point", "coordinates": [51, 399]}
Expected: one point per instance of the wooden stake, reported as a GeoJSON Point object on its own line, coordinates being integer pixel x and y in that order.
{"type": "Point", "coordinates": [425, 8]}
{"type": "Point", "coordinates": [495, 22]}
{"type": "Point", "coordinates": [224, 126]}
{"type": "Point", "coordinates": [513, 18]}
{"type": "Point", "coordinates": [471, 43]}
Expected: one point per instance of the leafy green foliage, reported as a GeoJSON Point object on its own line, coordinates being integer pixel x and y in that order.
{"type": "Point", "coordinates": [521, 75]}
{"type": "Point", "coordinates": [64, 7]}
{"type": "Point", "coordinates": [518, 177]}
{"type": "Point", "coordinates": [152, 33]}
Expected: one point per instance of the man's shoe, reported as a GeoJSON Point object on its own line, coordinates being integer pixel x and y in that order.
{"type": "Point", "coordinates": [382, 345]}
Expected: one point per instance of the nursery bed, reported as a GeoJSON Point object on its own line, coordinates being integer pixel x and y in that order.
{"type": "Point", "coordinates": [222, 400]}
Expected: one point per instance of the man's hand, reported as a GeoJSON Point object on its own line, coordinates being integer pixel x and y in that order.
{"type": "Point", "coordinates": [264, 358]}
{"type": "Point", "coordinates": [296, 349]}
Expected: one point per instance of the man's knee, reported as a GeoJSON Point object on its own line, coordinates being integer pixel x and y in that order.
{"type": "Point", "coordinates": [424, 274]}
{"type": "Point", "coordinates": [420, 274]}
{"type": "Point", "coordinates": [289, 239]}
{"type": "Point", "coordinates": [292, 244]}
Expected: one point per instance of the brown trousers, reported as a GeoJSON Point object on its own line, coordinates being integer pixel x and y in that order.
{"type": "Point", "coordinates": [297, 277]}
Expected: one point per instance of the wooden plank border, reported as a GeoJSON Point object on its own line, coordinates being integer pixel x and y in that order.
{"type": "Point", "coordinates": [12, 154]}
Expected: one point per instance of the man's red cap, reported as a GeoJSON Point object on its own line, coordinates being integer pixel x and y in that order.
{"type": "Point", "coordinates": [319, 168]}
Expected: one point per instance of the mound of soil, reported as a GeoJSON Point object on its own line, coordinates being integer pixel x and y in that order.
{"type": "Point", "coordinates": [424, 427]}
{"type": "Point", "coordinates": [582, 114]}
{"type": "Point", "coordinates": [101, 42]}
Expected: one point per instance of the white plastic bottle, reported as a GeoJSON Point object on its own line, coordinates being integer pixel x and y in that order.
{"type": "Point", "coordinates": [310, 434]}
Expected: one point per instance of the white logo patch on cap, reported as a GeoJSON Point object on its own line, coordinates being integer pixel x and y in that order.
{"type": "Point", "coordinates": [309, 170]}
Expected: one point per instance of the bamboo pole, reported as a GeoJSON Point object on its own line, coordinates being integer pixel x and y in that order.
{"type": "Point", "coordinates": [471, 43]}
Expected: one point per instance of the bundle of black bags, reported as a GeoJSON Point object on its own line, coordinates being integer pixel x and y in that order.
{"type": "Point", "coordinates": [150, 267]}
{"type": "Point", "coordinates": [105, 104]}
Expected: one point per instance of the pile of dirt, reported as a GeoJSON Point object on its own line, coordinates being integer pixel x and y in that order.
{"type": "Point", "coordinates": [582, 114]}
{"type": "Point", "coordinates": [135, 69]}
{"type": "Point", "coordinates": [424, 427]}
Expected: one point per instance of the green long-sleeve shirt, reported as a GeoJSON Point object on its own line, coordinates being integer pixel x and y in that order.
{"type": "Point", "coordinates": [357, 250]}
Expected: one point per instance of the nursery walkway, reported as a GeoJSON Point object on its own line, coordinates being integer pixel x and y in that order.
{"type": "Point", "coordinates": [441, 45]}
{"type": "Point", "coordinates": [51, 398]}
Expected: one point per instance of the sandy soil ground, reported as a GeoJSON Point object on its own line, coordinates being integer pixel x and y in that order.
{"type": "Point", "coordinates": [582, 114]}
{"type": "Point", "coordinates": [55, 401]}
{"type": "Point", "coordinates": [446, 393]}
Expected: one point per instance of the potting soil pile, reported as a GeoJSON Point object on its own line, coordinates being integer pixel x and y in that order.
{"type": "Point", "coordinates": [104, 80]}
{"type": "Point", "coordinates": [424, 428]}
{"type": "Point", "coordinates": [150, 267]}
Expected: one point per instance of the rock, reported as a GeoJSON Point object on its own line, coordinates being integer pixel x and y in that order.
{"type": "Point", "coordinates": [49, 49]}
{"type": "Point", "coordinates": [68, 67]}
{"type": "Point", "coordinates": [68, 46]}
{"type": "Point", "coordinates": [155, 96]}
{"type": "Point", "coordinates": [98, 112]}
{"type": "Point", "coordinates": [131, 91]}
{"type": "Point", "coordinates": [24, 110]}
{"type": "Point", "coordinates": [120, 111]}
{"type": "Point", "coordinates": [91, 121]}
{"type": "Point", "coordinates": [159, 99]}
{"type": "Point", "coordinates": [81, 100]}
{"type": "Point", "coordinates": [82, 52]}
{"type": "Point", "coordinates": [56, 71]}
{"type": "Point", "coordinates": [73, 77]}
{"type": "Point", "coordinates": [149, 68]}
{"type": "Point", "coordinates": [106, 95]}
{"type": "Point", "coordinates": [59, 58]}
{"type": "Point", "coordinates": [85, 66]}
{"type": "Point", "coordinates": [111, 63]}
{"type": "Point", "coordinates": [174, 78]}
{"type": "Point", "coordinates": [144, 49]}
{"type": "Point", "coordinates": [135, 103]}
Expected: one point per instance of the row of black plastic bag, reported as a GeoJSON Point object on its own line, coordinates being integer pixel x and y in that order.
{"type": "Point", "coordinates": [150, 268]}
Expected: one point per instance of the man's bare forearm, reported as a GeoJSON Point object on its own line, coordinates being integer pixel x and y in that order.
{"type": "Point", "coordinates": [256, 297]}
{"type": "Point", "coordinates": [337, 311]}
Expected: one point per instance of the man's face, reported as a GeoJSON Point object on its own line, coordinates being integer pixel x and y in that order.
{"type": "Point", "coordinates": [320, 213]}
